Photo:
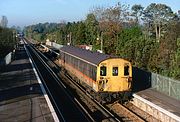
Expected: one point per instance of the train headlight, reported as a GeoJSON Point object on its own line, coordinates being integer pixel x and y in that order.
{"type": "Point", "coordinates": [101, 77]}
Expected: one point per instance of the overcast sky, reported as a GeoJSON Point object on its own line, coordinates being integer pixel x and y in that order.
{"type": "Point", "coordinates": [27, 12]}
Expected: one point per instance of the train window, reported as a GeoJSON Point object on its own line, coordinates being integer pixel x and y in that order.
{"type": "Point", "coordinates": [94, 73]}
{"type": "Point", "coordinates": [80, 65]}
{"type": "Point", "coordinates": [75, 63]}
{"type": "Point", "coordinates": [115, 71]}
{"type": "Point", "coordinates": [88, 70]}
{"type": "Point", "coordinates": [70, 60]}
{"type": "Point", "coordinates": [126, 70]}
{"type": "Point", "coordinates": [63, 58]}
{"type": "Point", "coordinates": [103, 71]}
{"type": "Point", "coordinates": [67, 60]}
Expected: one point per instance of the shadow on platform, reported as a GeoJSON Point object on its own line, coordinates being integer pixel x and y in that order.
{"type": "Point", "coordinates": [21, 91]}
{"type": "Point", "coordinates": [15, 79]}
{"type": "Point", "coordinates": [141, 79]}
{"type": "Point", "coordinates": [16, 67]}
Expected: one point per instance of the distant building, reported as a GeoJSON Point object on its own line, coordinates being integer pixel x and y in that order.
{"type": "Point", "coordinates": [100, 51]}
{"type": "Point", "coordinates": [4, 22]}
{"type": "Point", "coordinates": [87, 47]}
{"type": "Point", "coordinates": [48, 42]}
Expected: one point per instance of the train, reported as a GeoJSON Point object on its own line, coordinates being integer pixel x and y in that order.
{"type": "Point", "coordinates": [105, 77]}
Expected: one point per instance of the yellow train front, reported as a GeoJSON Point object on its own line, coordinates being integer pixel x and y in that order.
{"type": "Point", "coordinates": [105, 77]}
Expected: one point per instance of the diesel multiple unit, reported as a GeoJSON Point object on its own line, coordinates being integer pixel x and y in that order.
{"type": "Point", "coordinates": [103, 75]}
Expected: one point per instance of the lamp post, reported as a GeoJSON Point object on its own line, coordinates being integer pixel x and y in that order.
{"type": "Point", "coordinates": [69, 38]}
{"type": "Point", "coordinates": [101, 51]}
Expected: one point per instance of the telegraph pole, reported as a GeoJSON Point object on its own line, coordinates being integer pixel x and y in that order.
{"type": "Point", "coordinates": [101, 41]}
{"type": "Point", "coordinates": [70, 38]}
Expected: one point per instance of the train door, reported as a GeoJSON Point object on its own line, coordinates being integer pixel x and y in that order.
{"type": "Point", "coordinates": [127, 76]}
{"type": "Point", "coordinates": [115, 77]}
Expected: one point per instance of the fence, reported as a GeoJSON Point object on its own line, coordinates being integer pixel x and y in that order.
{"type": "Point", "coordinates": [6, 60]}
{"type": "Point", "coordinates": [143, 80]}
{"type": "Point", "coordinates": [166, 85]}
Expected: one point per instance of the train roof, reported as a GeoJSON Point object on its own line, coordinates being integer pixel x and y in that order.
{"type": "Point", "coordinates": [91, 57]}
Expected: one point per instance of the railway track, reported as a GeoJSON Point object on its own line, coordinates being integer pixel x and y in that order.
{"type": "Point", "coordinates": [96, 111]}
{"type": "Point", "coordinates": [102, 114]}
{"type": "Point", "coordinates": [126, 113]}
{"type": "Point", "coordinates": [65, 105]}
{"type": "Point", "coordinates": [120, 112]}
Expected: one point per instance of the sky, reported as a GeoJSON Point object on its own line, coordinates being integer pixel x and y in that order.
{"type": "Point", "coordinates": [27, 12]}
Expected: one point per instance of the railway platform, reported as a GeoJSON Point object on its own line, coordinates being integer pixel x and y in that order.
{"type": "Point", "coordinates": [21, 97]}
{"type": "Point", "coordinates": [158, 105]}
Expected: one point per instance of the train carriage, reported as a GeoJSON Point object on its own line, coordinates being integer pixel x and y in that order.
{"type": "Point", "coordinates": [105, 75]}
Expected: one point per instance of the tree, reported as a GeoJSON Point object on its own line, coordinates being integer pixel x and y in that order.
{"type": "Point", "coordinates": [4, 21]}
{"type": "Point", "coordinates": [81, 34]}
{"type": "Point", "coordinates": [137, 11]}
{"type": "Point", "coordinates": [178, 14]}
{"type": "Point", "coordinates": [110, 24]}
{"type": "Point", "coordinates": [174, 48]}
{"type": "Point", "coordinates": [40, 31]}
{"type": "Point", "coordinates": [158, 15]}
{"type": "Point", "coordinates": [129, 42]}
{"type": "Point", "coordinates": [7, 41]}
{"type": "Point", "coordinates": [91, 28]}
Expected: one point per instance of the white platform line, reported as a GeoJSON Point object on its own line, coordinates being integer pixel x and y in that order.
{"type": "Point", "coordinates": [43, 90]}
{"type": "Point", "coordinates": [175, 117]}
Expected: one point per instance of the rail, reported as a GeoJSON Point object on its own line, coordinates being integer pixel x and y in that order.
{"type": "Point", "coordinates": [55, 90]}
{"type": "Point", "coordinates": [109, 110]}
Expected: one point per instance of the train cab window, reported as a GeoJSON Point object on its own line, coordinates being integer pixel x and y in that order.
{"type": "Point", "coordinates": [103, 70]}
{"type": "Point", "coordinates": [115, 71]}
{"type": "Point", "coordinates": [126, 70]}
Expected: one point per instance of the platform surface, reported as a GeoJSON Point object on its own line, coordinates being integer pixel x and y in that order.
{"type": "Point", "coordinates": [166, 102]}
{"type": "Point", "coordinates": [21, 98]}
